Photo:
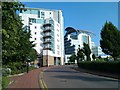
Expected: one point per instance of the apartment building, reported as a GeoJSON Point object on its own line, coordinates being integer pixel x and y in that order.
{"type": "Point", "coordinates": [47, 32]}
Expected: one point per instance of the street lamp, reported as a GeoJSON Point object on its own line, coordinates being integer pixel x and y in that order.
{"type": "Point", "coordinates": [28, 59]}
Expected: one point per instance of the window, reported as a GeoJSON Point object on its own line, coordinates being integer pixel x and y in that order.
{"type": "Point", "coordinates": [35, 38]}
{"type": "Point", "coordinates": [57, 46]}
{"type": "Point", "coordinates": [42, 17]}
{"type": "Point", "coordinates": [35, 32]}
{"type": "Point", "coordinates": [85, 39]}
{"type": "Point", "coordinates": [58, 25]}
{"type": "Point", "coordinates": [57, 40]}
{"type": "Point", "coordinates": [38, 14]}
{"type": "Point", "coordinates": [42, 13]}
{"type": "Point", "coordinates": [58, 52]}
{"type": "Point", "coordinates": [58, 30]}
{"type": "Point", "coordinates": [32, 20]}
{"type": "Point", "coordinates": [50, 12]}
{"type": "Point", "coordinates": [35, 27]}
{"type": "Point", "coordinates": [57, 35]}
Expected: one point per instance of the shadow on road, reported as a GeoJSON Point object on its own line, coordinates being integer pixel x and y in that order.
{"type": "Point", "coordinates": [84, 78]}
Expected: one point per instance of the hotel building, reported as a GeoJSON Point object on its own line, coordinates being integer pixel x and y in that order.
{"type": "Point", "coordinates": [47, 32]}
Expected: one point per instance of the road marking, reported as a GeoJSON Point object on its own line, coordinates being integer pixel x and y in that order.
{"type": "Point", "coordinates": [45, 85]}
{"type": "Point", "coordinates": [42, 83]}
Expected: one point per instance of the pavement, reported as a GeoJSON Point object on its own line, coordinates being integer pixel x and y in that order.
{"type": "Point", "coordinates": [26, 80]}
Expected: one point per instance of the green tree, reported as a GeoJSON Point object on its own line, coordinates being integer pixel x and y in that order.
{"type": "Point", "coordinates": [16, 46]}
{"type": "Point", "coordinates": [87, 51]}
{"type": "Point", "coordinates": [80, 54]}
{"type": "Point", "coordinates": [33, 55]}
{"type": "Point", "coordinates": [72, 58]}
{"type": "Point", "coordinates": [110, 42]}
{"type": "Point", "coordinates": [93, 56]}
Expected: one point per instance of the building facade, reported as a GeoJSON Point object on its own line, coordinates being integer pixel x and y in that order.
{"type": "Point", "coordinates": [97, 50]}
{"type": "Point", "coordinates": [47, 32]}
{"type": "Point", "coordinates": [73, 38]}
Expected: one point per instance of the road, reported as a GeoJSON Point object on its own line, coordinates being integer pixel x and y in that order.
{"type": "Point", "coordinates": [65, 77]}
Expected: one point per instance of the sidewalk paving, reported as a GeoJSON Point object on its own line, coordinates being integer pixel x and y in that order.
{"type": "Point", "coordinates": [27, 80]}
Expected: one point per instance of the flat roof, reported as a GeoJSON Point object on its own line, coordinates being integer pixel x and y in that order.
{"type": "Point", "coordinates": [42, 9]}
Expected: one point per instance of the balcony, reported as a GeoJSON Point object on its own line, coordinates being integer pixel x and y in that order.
{"type": "Point", "coordinates": [46, 48]}
{"type": "Point", "coordinates": [47, 41]}
{"type": "Point", "coordinates": [47, 30]}
{"type": "Point", "coordinates": [46, 24]}
{"type": "Point", "coordinates": [47, 35]}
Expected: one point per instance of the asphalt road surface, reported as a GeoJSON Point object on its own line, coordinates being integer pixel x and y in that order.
{"type": "Point", "coordinates": [65, 77]}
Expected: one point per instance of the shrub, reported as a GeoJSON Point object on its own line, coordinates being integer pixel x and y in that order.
{"type": "Point", "coordinates": [101, 66]}
{"type": "Point", "coordinates": [6, 71]}
{"type": "Point", "coordinates": [5, 81]}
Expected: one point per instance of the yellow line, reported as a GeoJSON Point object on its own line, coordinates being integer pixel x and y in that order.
{"type": "Point", "coordinates": [45, 85]}
{"type": "Point", "coordinates": [42, 83]}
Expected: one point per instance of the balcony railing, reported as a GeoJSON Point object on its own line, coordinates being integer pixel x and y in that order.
{"type": "Point", "coordinates": [47, 41]}
{"type": "Point", "coordinates": [47, 48]}
{"type": "Point", "coordinates": [46, 24]}
{"type": "Point", "coordinates": [46, 35]}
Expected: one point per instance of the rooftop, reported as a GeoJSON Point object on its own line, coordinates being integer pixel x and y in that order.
{"type": "Point", "coordinates": [42, 9]}
{"type": "Point", "coordinates": [71, 30]}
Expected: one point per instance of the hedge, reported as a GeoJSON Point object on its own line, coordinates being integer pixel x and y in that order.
{"type": "Point", "coordinates": [112, 67]}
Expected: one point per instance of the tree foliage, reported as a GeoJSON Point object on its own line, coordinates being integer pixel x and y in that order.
{"type": "Point", "coordinates": [72, 58]}
{"type": "Point", "coordinates": [87, 51]}
{"type": "Point", "coordinates": [93, 56]}
{"type": "Point", "coordinates": [110, 40]}
{"type": "Point", "coordinates": [16, 46]}
{"type": "Point", "coordinates": [80, 55]}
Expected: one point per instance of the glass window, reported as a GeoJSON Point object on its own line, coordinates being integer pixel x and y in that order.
{"type": "Point", "coordinates": [58, 52]}
{"type": "Point", "coordinates": [34, 12]}
{"type": "Point", "coordinates": [41, 21]}
{"type": "Point", "coordinates": [35, 38]}
{"type": "Point", "coordinates": [35, 27]}
{"type": "Point", "coordinates": [38, 14]}
{"type": "Point", "coordinates": [32, 20]}
{"type": "Point", "coordinates": [58, 25]}
{"type": "Point", "coordinates": [57, 35]}
{"type": "Point", "coordinates": [42, 13]}
{"type": "Point", "coordinates": [35, 32]}
{"type": "Point", "coordinates": [57, 46]}
{"type": "Point", "coordinates": [85, 39]}
{"type": "Point", "coordinates": [42, 17]}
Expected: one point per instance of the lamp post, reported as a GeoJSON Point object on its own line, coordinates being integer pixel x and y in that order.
{"type": "Point", "coordinates": [28, 59]}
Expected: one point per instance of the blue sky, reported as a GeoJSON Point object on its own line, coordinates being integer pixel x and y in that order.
{"type": "Point", "coordinates": [89, 16]}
